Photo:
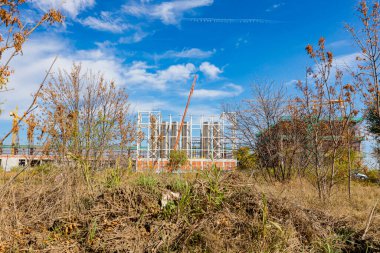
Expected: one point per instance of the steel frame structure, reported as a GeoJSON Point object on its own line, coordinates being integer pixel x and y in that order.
{"type": "Point", "coordinates": [204, 138]}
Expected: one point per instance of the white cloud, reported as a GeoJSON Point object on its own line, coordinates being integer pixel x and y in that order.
{"type": "Point", "coordinates": [149, 105]}
{"type": "Point", "coordinates": [177, 72]}
{"type": "Point", "coordinates": [210, 70]}
{"type": "Point", "coordinates": [274, 7]}
{"type": "Point", "coordinates": [106, 22]}
{"type": "Point", "coordinates": [170, 13]}
{"type": "Point", "coordinates": [140, 74]}
{"type": "Point", "coordinates": [41, 53]}
{"type": "Point", "coordinates": [112, 22]}
{"type": "Point", "coordinates": [342, 62]}
{"type": "Point", "coordinates": [193, 53]}
{"type": "Point", "coordinates": [136, 37]}
{"type": "Point", "coordinates": [175, 108]}
{"type": "Point", "coordinates": [71, 7]}
{"type": "Point", "coordinates": [340, 44]}
{"type": "Point", "coordinates": [291, 82]}
{"type": "Point", "coordinates": [346, 61]}
{"type": "Point", "coordinates": [228, 90]}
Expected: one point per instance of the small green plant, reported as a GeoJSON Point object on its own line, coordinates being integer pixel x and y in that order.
{"type": "Point", "coordinates": [169, 209]}
{"type": "Point", "coordinates": [186, 197]}
{"type": "Point", "coordinates": [92, 231]}
{"type": "Point", "coordinates": [216, 193]}
{"type": "Point", "coordinates": [178, 184]}
{"type": "Point", "coordinates": [177, 159]}
{"type": "Point", "coordinates": [113, 179]}
{"type": "Point", "coordinates": [147, 181]}
{"type": "Point", "coordinates": [182, 186]}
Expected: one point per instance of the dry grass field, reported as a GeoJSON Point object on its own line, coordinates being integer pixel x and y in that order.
{"type": "Point", "coordinates": [53, 210]}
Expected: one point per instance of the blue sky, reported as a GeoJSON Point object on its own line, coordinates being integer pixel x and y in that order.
{"type": "Point", "coordinates": [154, 47]}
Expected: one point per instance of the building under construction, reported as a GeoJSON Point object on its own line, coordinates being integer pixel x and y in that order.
{"type": "Point", "coordinates": [206, 141]}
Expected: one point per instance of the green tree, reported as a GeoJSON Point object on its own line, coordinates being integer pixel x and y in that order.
{"type": "Point", "coordinates": [373, 123]}
{"type": "Point", "coordinates": [246, 159]}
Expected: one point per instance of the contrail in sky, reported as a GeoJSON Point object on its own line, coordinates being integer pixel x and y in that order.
{"type": "Point", "coordinates": [231, 20]}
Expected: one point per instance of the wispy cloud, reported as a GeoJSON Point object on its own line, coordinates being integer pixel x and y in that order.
{"type": "Point", "coordinates": [228, 90]}
{"type": "Point", "coordinates": [136, 37]}
{"type": "Point", "coordinates": [195, 110]}
{"type": "Point", "coordinates": [70, 7]}
{"type": "Point", "coordinates": [192, 53]}
{"type": "Point", "coordinates": [274, 7]}
{"type": "Point", "coordinates": [106, 22]}
{"type": "Point", "coordinates": [291, 83]}
{"type": "Point", "coordinates": [118, 24]}
{"type": "Point", "coordinates": [170, 13]}
{"type": "Point", "coordinates": [151, 105]}
{"type": "Point", "coordinates": [339, 44]}
{"type": "Point", "coordinates": [347, 61]}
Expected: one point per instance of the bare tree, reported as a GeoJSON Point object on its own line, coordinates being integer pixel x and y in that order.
{"type": "Point", "coordinates": [327, 108]}
{"type": "Point", "coordinates": [367, 75]}
{"type": "Point", "coordinates": [255, 115]}
{"type": "Point", "coordinates": [367, 39]}
{"type": "Point", "coordinates": [87, 119]}
{"type": "Point", "coordinates": [255, 120]}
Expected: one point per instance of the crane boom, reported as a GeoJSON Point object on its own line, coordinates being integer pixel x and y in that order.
{"type": "Point", "coordinates": [184, 114]}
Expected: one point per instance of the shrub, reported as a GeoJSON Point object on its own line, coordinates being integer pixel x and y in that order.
{"type": "Point", "coordinates": [246, 159]}
{"type": "Point", "coordinates": [373, 176]}
{"type": "Point", "coordinates": [177, 159]}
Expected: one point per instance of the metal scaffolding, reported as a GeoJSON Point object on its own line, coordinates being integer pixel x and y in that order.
{"type": "Point", "coordinates": [206, 138]}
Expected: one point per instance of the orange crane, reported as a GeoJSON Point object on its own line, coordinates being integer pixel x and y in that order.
{"type": "Point", "coordinates": [184, 114]}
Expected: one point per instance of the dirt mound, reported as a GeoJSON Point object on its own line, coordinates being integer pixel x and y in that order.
{"type": "Point", "coordinates": [216, 213]}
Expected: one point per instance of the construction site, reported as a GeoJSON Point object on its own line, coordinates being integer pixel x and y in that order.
{"type": "Point", "coordinates": [206, 141]}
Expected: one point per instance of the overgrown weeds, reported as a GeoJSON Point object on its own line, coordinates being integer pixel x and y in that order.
{"type": "Point", "coordinates": [148, 181]}
{"type": "Point", "coordinates": [113, 178]}
{"type": "Point", "coordinates": [216, 212]}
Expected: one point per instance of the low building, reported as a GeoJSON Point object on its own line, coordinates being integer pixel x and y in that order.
{"type": "Point", "coordinates": [293, 140]}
